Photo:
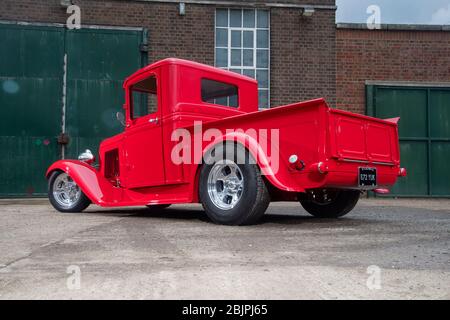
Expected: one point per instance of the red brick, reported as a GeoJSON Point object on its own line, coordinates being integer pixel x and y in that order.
{"type": "Point", "coordinates": [303, 55]}
{"type": "Point", "coordinates": [415, 56]}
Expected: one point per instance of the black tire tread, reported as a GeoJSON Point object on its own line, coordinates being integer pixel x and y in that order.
{"type": "Point", "coordinates": [346, 202]}
{"type": "Point", "coordinates": [253, 214]}
{"type": "Point", "coordinates": [261, 202]}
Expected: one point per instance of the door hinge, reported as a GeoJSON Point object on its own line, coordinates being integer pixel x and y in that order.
{"type": "Point", "coordinates": [63, 138]}
{"type": "Point", "coordinates": [143, 47]}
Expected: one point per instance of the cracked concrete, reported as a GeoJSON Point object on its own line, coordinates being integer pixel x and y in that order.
{"type": "Point", "coordinates": [134, 253]}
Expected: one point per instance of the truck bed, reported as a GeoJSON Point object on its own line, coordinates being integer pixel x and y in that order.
{"type": "Point", "coordinates": [363, 139]}
{"type": "Point", "coordinates": [342, 141]}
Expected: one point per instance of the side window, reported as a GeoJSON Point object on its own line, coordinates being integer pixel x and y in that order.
{"type": "Point", "coordinates": [220, 93]}
{"type": "Point", "coordinates": [144, 99]}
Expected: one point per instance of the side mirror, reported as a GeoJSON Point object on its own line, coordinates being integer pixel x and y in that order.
{"type": "Point", "coordinates": [121, 118]}
{"type": "Point", "coordinates": [87, 157]}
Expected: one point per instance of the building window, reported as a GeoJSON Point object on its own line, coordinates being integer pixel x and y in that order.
{"type": "Point", "coordinates": [243, 46]}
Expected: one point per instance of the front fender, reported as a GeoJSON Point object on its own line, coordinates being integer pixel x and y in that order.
{"type": "Point", "coordinates": [90, 181]}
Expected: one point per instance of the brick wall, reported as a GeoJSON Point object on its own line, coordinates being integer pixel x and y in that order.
{"type": "Point", "coordinates": [170, 35]}
{"type": "Point", "coordinates": [302, 49]}
{"type": "Point", "coordinates": [382, 55]}
{"type": "Point", "coordinates": [303, 56]}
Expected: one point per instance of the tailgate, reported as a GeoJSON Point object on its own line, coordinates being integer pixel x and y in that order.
{"type": "Point", "coordinates": [359, 138]}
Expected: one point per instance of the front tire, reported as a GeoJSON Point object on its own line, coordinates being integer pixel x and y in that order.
{"type": "Point", "coordinates": [330, 203]}
{"type": "Point", "coordinates": [233, 194]}
{"type": "Point", "coordinates": [65, 195]}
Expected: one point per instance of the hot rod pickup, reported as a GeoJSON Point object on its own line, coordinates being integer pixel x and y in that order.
{"type": "Point", "coordinates": [193, 133]}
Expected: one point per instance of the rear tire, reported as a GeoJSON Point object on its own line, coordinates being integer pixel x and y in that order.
{"type": "Point", "coordinates": [330, 203]}
{"type": "Point", "coordinates": [65, 195]}
{"type": "Point", "coordinates": [233, 194]}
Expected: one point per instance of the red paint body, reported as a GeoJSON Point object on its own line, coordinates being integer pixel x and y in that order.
{"type": "Point", "coordinates": [135, 167]}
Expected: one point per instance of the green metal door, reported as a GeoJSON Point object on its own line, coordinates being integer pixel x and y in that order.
{"type": "Point", "coordinates": [97, 63]}
{"type": "Point", "coordinates": [424, 131]}
{"type": "Point", "coordinates": [31, 60]}
{"type": "Point", "coordinates": [35, 64]}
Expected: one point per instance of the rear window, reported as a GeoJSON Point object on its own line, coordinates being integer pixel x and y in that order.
{"type": "Point", "coordinates": [220, 93]}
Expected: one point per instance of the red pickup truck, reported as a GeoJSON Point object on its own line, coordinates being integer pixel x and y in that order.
{"type": "Point", "coordinates": [193, 133]}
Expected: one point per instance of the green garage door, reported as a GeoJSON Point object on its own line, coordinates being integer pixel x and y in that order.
{"type": "Point", "coordinates": [35, 63]}
{"type": "Point", "coordinates": [97, 63]}
{"type": "Point", "coordinates": [424, 131]}
{"type": "Point", "coordinates": [31, 75]}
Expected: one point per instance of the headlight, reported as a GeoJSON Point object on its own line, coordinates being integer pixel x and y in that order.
{"type": "Point", "coordinates": [87, 156]}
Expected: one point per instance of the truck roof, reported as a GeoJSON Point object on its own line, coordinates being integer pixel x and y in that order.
{"type": "Point", "coordinates": [190, 64]}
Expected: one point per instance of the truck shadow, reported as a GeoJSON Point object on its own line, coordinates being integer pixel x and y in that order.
{"type": "Point", "coordinates": [197, 214]}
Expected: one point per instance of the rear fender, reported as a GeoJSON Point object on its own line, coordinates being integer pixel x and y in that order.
{"type": "Point", "coordinates": [90, 181]}
{"type": "Point", "coordinates": [269, 167]}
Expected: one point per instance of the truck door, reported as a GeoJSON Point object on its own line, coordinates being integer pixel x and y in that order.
{"type": "Point", "coordinates": [144, 165]}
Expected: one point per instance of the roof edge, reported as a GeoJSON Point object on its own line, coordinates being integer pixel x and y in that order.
{"type": "Point", "coordinates": [395, 27]}
{"type": "Point", "coordinates": [413, 84]}
{"type": "Point", "coordinates": [249, 3]}
{"type": "Point", "coordinates": [190, 64]}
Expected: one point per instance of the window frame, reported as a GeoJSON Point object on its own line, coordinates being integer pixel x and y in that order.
{"type": "Point", "coordinates": [131, 98]}
{"type": "Point", "coordinates": [228, 97]}
{"type": "Point", "coordinates": [255, 48]}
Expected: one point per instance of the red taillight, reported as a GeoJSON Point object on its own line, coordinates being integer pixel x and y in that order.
{"type": "Point", "coordinates": [382, 191]}
{"type": "Point", "coordinates": [320, 167]}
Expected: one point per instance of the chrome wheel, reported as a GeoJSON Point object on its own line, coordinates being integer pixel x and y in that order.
{"type": "Point", "coordinates": [225, 184]}
{"type": "Point", "coordinates": [65, 191]}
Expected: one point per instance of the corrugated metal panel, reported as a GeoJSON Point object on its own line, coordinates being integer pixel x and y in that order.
{"type": "Point", "coordinates": [31, 96]}
{"type": "Point", "coordinates": [98, 62]}
{"type": "Point", "coordinates": [424, 131]}
{"type": "Point", "coordinates": [440, 141]}
{"type": "Point", "coordinates": [23, 164]}
{"type": "Point", "coordinates": [30, 104]}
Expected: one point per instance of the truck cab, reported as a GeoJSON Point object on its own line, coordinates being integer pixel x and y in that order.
{"type": "Point", "coordinates": [160, 98]}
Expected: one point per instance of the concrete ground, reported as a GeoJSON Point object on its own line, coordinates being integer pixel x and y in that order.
{"type": "Point", "coordinates": [383, 249]}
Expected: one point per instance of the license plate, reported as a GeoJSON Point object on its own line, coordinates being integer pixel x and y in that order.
{"type": "Point", "coordinates": [367, 177]}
